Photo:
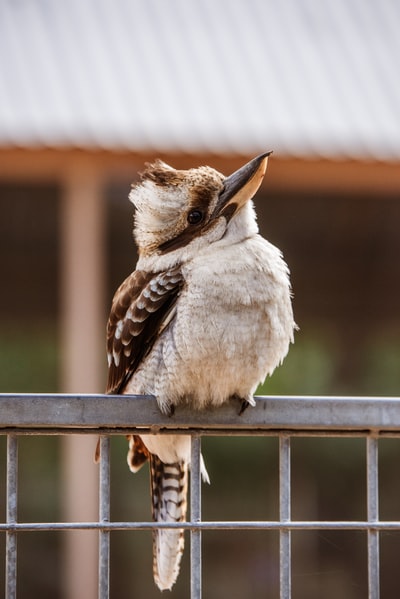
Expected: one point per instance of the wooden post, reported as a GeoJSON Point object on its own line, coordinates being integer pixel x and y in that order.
{"type": "Point", "coordinates": [83, 348]}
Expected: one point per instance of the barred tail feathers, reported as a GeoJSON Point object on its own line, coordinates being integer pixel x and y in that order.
{"type": "Point", "coordinates": [169, 492]}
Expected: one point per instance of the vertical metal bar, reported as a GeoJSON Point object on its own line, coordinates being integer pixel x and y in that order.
{"type": "Point", "coordinates": [12, 503]}
{"type": "Point", "coordinates": [284, 514]}
{"type": "Point", "coordinates": [373, 516]}
{"type": "Point", "coordinates": [104, 518]}
{"type": "Point", "coordinates": [195, 516]}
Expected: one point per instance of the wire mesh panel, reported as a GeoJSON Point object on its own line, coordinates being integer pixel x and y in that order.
{"type": "Point", "coordinates": [285, 418]}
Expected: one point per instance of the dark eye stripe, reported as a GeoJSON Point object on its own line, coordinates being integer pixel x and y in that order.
{"type": "Point", "coordinates": [180, 240]}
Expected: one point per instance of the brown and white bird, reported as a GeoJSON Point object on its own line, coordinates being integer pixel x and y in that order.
{"type": "Point", "coordinates": [204, 318]}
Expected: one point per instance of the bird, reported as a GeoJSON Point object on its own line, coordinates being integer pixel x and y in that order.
{"type": "Point", "coordinates": [203, 319]}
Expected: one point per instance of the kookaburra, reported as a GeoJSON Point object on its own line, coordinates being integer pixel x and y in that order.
{"type": "Point", "coordinates": [204, 318]}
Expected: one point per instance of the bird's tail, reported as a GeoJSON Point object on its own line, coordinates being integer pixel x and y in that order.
{"type": "Point", "coordinates": [169, 491]}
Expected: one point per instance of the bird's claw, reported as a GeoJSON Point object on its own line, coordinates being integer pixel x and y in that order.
{"type": "Point", "coordinates": [170, 410]}
{"type": "Point", "coordinates": [243, 406]}
{"type": "Point", "coordinates": [244, 403]}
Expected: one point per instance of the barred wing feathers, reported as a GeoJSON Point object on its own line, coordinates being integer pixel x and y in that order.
{"type": "Point", "coordinates": [140, 310]}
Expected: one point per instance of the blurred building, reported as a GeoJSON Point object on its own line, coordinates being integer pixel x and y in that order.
{"type": "Point", "coordinates": [91, 90]}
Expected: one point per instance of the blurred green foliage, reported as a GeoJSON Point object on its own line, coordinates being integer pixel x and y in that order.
{"type": "Point", "coordinates": [29, 357]}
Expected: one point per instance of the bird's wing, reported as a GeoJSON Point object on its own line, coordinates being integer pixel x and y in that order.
{"type": "Point", "coordinates": [141, 308]}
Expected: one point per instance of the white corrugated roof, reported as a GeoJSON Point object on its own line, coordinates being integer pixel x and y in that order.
{"type": "Point", "coordinates": [306, 77]}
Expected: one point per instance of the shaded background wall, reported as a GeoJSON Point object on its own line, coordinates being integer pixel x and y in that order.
{"type": "Point", "coordinates": [342, 249]}
{"type": "Point", "coordinates": [92, 91]}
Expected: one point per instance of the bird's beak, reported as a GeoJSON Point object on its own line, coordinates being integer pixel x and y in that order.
{"type": "Point", "coordinates": [243, 184]}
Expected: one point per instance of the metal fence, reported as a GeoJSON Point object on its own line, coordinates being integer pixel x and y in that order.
{"type": "Point", "coordinates": [284, 417]}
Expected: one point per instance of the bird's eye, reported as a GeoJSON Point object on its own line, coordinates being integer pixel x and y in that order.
{"type": "Point", "coordinates": [195, 217]}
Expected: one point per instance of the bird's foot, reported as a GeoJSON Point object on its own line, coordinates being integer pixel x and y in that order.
{"type": "Point", "coordinates": [245, 402]}
{"type": "Point", "coordinates": [243, 406]}
{"type": "Point", "coordinates": [167, 408]}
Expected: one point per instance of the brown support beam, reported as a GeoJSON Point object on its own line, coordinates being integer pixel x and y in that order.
{"type": "Point", "coordinates": [284, 172]}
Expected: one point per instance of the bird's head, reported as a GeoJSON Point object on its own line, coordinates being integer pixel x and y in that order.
{"type": "Point", "coordinates": [184, 210]}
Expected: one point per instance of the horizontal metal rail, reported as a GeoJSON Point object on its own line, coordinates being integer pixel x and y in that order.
{"type": "Point", "coordinates": [208, 525]}
{"type": "Point", "coordinates": [55, 414]}
{"type": "Point", "coordinates": [282, 416]}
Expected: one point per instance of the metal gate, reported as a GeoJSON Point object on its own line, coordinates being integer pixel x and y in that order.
{"type": "Point", "coordinates": [283, 417]}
